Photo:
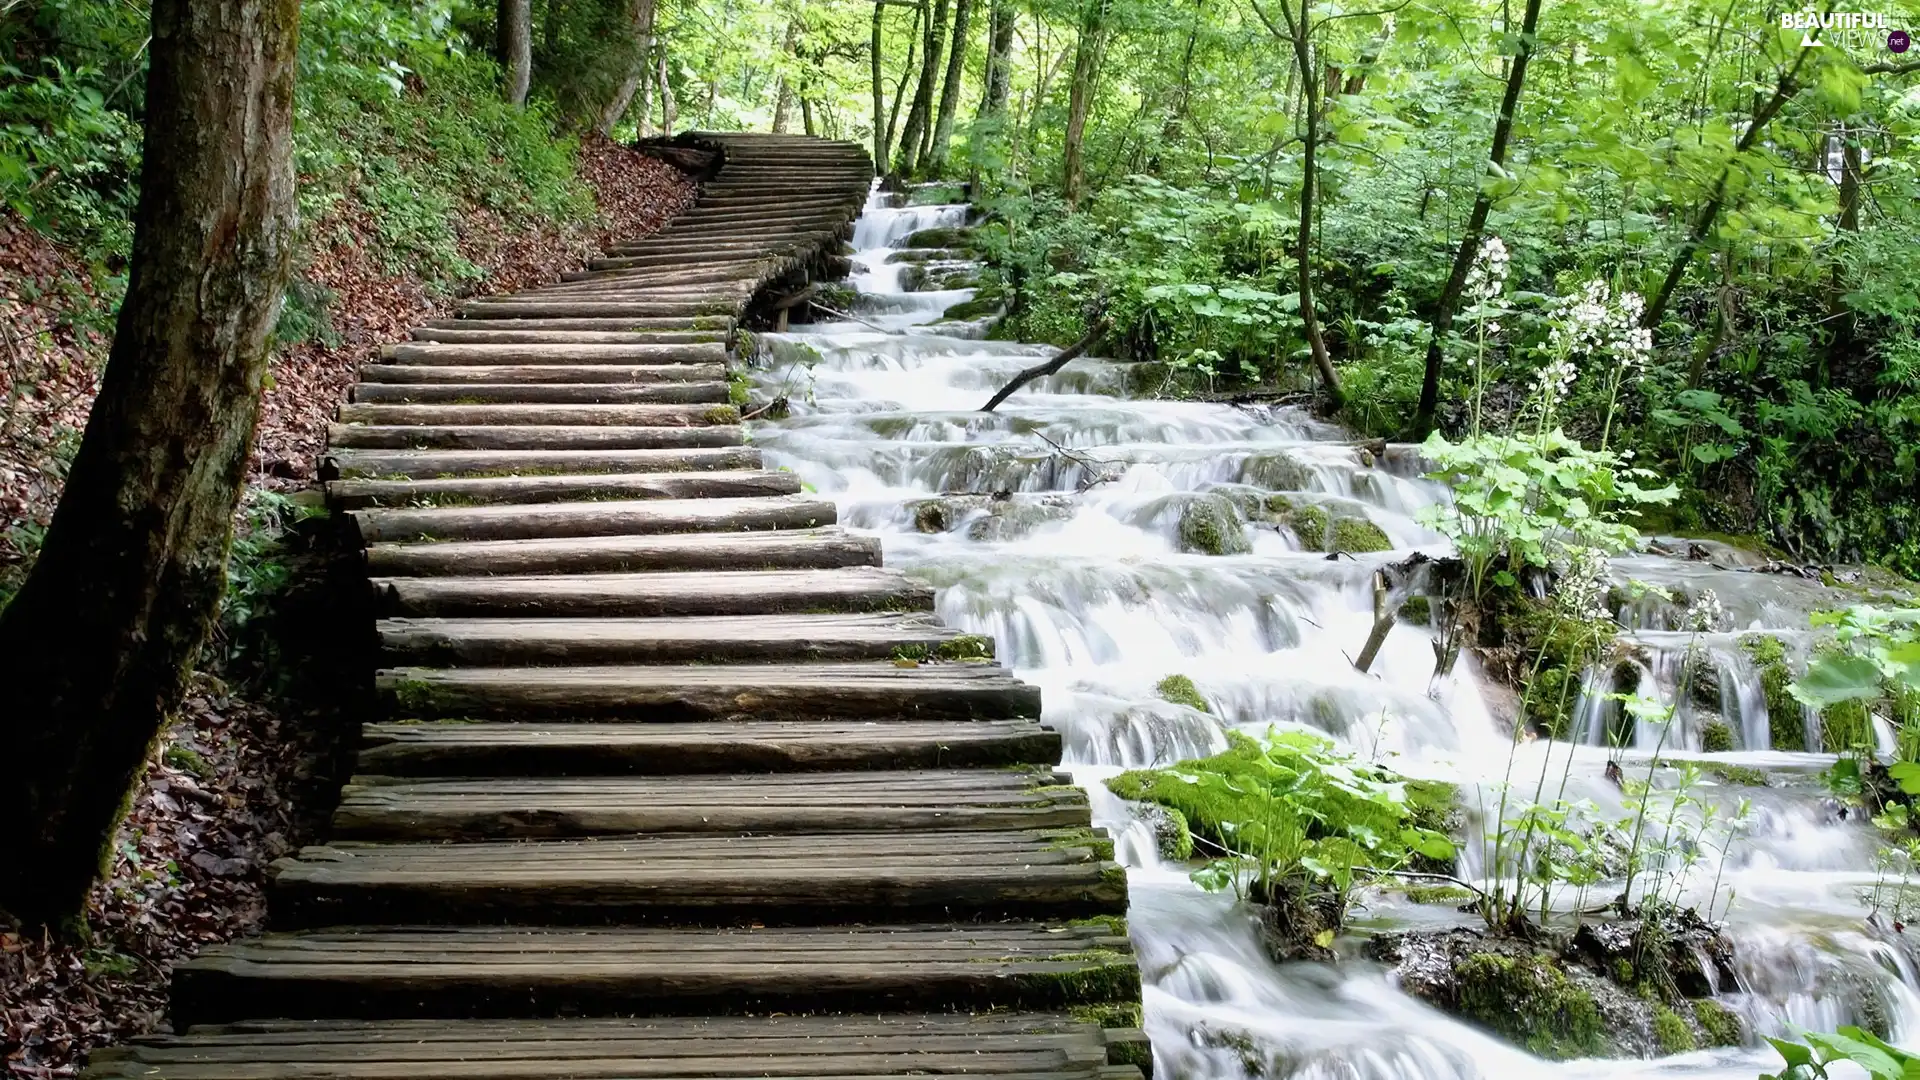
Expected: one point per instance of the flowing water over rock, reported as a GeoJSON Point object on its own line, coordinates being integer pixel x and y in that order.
{"type": "Point", "coordinates": [1053, 525]}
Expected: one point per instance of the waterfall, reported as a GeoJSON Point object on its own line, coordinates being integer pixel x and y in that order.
{"type": "Point", "coordinates": [1072, 563]}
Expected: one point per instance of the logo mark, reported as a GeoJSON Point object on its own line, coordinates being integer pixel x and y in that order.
{"type": "Point", "coordinates": [1898, 41]}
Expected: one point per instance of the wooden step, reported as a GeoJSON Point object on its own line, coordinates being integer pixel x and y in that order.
{"type": "Point", "coordinates": [578, 519]}
{"type": "Point", "coordinates": [667, 694]}
{"type": "Point", "coordinates": [467, 748]}
{"type": "Point", "coordinates": [530, 436]}
{"type": "Point", "coordinates": [489, 335]}
{"type": "Point", "coordinates": [1029, 1046]}
{"type": "Point", "coordinates": [624, 310]}
{"type": "Point", "coordinates": [430, 464]}
{"type": "Point", "coordinates": [565, 374]}
{"type": "Point", "coordinates": [641, 595]}
{"type": "Point", "coordinates": [787, 549]}
{"type": "Point", "coordinates": [482, 491]}
{"type": "Point", "coordinates": [683, 640]}
{"type": "Point", "coordinates": [720, 322]}
{"type": "Point", "coordinates": [503, 807]}
{"type": "Point", "coordinates": [541, 415]}
{"type": "Point", "coordinates": [818, 877]}
{"type": "Point", "coordinates": [504, 971]}
{"type": "Point", "coordinates": [550, 393]}
{"type": "Point", "coordinates": [524, 354]}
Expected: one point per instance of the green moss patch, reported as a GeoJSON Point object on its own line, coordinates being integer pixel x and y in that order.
{"type": "Point", "coordinates": [1179, 689]}
{"type": "Point", "coordinates": [1530, 1002]}
{"type": "Point", "coordinates": [1211, 525]}
{"type": "Point", "coordinates": [1786, 723]}
{"type": "Point", "coordinates": [1718, 1023]}
{"type": "Point", "coordinates": [1716, 737]}
{"type": "Point", "coordinates": [1671, 1033]}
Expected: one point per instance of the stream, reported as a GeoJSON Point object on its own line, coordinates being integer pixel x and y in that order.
{"type": "Point", "coordinates": [1078, 576]}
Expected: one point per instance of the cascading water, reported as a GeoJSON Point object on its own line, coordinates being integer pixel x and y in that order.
{"type": "Point", "coordinates": [1065, 550]}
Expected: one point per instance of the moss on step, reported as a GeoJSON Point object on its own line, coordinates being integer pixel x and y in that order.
{"type": "Point", "coordinates": [983, 305]}
{"type": "Point", "coordinates": [1716, 737]}
{"type": "Point", "coordinates": [1531, 1002]}
{"type": "Point", "coordinates": [1718, 1023]}
{"type": "Point", "coordinates": [1449, 895]}
{"type": "Point", "coordinates": [1671, 1033]}
{"type": "Point", "coordinates": [1211, 525]}
{"type": "Point", "coordinates": [1786, 723]}
{"type": "Point", "coordinates": [1358, 536]}
{"type": "Point", "coordinates": [1179, 690]}
{"type": "Point", "coordinates": [1112, 1014]}
{"type": "Point", "coordinates": [1739, 775]}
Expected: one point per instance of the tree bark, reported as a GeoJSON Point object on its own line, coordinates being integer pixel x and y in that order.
{"type": "Point", "coordinates": [1464, 255]}
{"type": "Point", "coordinates": [515, 47]}
{"type": "Point", "coordinates": [882, 136]}
{"type": "Point", "coordinates": [639, 24]}
{"type": "Point", "coordinates": [783, 96]}
{"type": "Point", "coordinates": [950, 92]}
{"type": "Point", "coordinates": [920, 113]}
{"type": "Point", "coordinates": [999, 80]}
{"type": "Point", "coordinates": [96, 646]}
{"type": "Point", "coordinates": [1087, 51]}
{"type": "Point", "coordinates": [669, 108]}
{"type": "Point", "coordinates": [1783, 91]}
{"type": "Point", "coordinates": [1060, 359]}
{"type": "Point", "coordinates": [1299, 31]}
{"type": "Point", "coordinates": [900, 86]}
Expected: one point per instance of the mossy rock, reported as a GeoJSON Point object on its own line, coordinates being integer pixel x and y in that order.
{"type": "Point", "coordinates": [1172, 835]}
{"type": "Point", "coordinates": [1719, 1024]}
{"type": "Point", "coordinates": [1358, 536]}
{"type": "Point", "coordinates": [1450, 895]}
{"type": "Point", "coordinates": [1179, 689]}
{"type": "Point", "coordinates": [1716, 737]}
{"type": "Point", "coordinates": [1211, 525]}
{"type": "Point", "coordinates": [1531, 1002]}
{"type": "Point", "coordinates": [1671, 1033]}
{"type": "Point", "coordinates": [1738, 775]}
{"type": "Point", "coordinates": [932, 515]}
{"type": "Point", "coordinates": [981, 306]}
{"type": "Point", "coordinates": [1417, 610]}
{"type": "Point", "coordinates": [1786, 722]}
{"type": "Point", "coordinates": [957, 237]}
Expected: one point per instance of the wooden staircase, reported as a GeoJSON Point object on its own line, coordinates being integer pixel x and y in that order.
{"type": "Point", "coordinates": [679, 780]}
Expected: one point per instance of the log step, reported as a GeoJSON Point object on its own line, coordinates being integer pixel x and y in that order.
{"type": "Point", "coordinates": [465, 335]}
{"type": "Point", "coordinates": [522, 374]}
{"type": "Point", "coordinates": [470, 491]}
{"type": "Point", "coordinates": [818, 877]}
{"type": "Point", "coordinates": [446, 464]}
{"type": "Point", "coordinates": [525, 353]}
{"type": "Point", "coordinates": [721, 323]}
{"type": "Point", "coordinates": [686, 640]}
{"type": "Point", "coordinates": [576, 519]}
{"type": "Point", "coordinates": [709, 692]}
{"type": "Point", "coordinates": [642, 595]}
{"type": "Point", "coordinates": [587, 749]}
{"type": "Point", "coordinates": [490, 808]}
{"type": "Point", "coordinates": [624, 310]}
{"type": "Point", "coordinates": [1029, 1046]}
{"type": "Point", "coordinates": [493, 436]}
{"type": "Point", "coordinates": [792, 549]}
{"type": "Point", "coordinates": [532, 393]}
{"type": "Point", "coordinates": [541, 415]}
{"type": "Point", "coordinates": [504, 971]}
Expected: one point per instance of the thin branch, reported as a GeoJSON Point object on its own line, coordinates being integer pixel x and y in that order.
{"type": "Point", "coordinates": [1061, 359]}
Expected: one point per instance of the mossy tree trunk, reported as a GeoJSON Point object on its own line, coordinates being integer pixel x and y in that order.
{"type": "Point", "coordinates": [514, 47]}
{"type": "Point", "coordinates": [1087, 51]}
{"type": "Point", "coordinates": [999, 77]}
{"type": "Point", "coordinates": [950, 90]}
{"type": "Point", "coordinates": [638, 25]}
{"type": "Point", "coordinates": [96, 647]}
{"type": "Point", "coordinates": [920, 114]}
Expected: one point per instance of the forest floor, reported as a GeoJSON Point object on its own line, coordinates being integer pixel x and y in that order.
{"type": "Point", "coordinates": [222, 797]}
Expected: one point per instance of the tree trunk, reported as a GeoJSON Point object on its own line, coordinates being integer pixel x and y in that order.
{"type": "Point", "coordinates": [96, 646]}
{"type": "Point", "coordinates": [639, 24]}
{"type": "Point", "coordinates": [1783, 91]}
{"type": "Point", "coordinates": [669, 108]}
{"type": "Point", "coordinates": [920, 113]}
{"type": "Point", "coordinates": [900, 89]}
{"type": "Point", "coordinates": [882, 136]}
{"type": "Point", "coordinates": [806, 115]}
{"type": "Point", "coordinates": [993, 102]}
{"type": "Point", "coordinates": [783, 97]}
{"type": "Point", "coordinates": [1086, 73]}
{"type": "Point", "coordinates": [1840, 320]}
{"type": "Point", "coordinates": [1469, 248]}
{"type": "Point", "coordinates": [950, 92]}
{"type": "Point", "coordinates": [515, 47]}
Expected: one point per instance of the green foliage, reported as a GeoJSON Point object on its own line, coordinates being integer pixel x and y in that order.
{"type": "Point", "coordinates": [1871, 665]}
{"type": "Point", "coordinates": [1294, 814]}
{"type": "Point", "coordinates": [1670, 1033]}
{"type": "Point", "coordinates": [1808, 1059]}
{"type": "Point", "coordinates": [1179, 689]}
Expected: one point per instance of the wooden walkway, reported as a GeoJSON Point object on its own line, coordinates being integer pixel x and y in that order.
{"type": "Point", "coordinates": [679, 780]}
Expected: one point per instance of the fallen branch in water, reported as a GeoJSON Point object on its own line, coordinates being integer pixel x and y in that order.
{"type": "Point", "coordinates": [1061, 359]}
{"type": "Point", "coordinates": [1096, 469]}
{"type": "Point", "coordinates": [818, 306]}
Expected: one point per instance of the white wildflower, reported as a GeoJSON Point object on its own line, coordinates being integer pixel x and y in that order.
{"type": "Point", "coordinates": [1581, 592]}
{"type": "Point", "coordinates": [1704, 614]}
{"type": "Point", "coordinates": [1487, 278]}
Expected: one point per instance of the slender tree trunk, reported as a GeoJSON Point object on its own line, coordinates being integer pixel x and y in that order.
{"type": "Point", "coordinates": [900, 87]}
{"type": "Point", "coordinates": [950, 92]}
{"type": "Point", "coordinates": [1086, 73]}
{"type": "Point", "coordinates": [1301, 31]}
{"type": "Point", "coordinates": [806, 115]}
{"type": "Point", "coordinates": [643, 98]}
{"type": "Point", "coordinates": [875, 58]}
{"type": "Point", "coordinates": [669, 108]}
{"type": "Point", "coordinates": [1783, 91]}
{"type": "Point", "coordinates": [639, 25]}
{"type": "Point", "coordinates": [783, 97]}
{"type": "Point", "coordinates": [515, 47]}
{"type": "Point", "coordinates": [1840, 321]}
{"type": "Point", "coordinates": [920, 113]}
{"type": "Point", "coordinates": [993, 102]}
{"type": "Point", "coordinates": [96, 646]}
{"type": "Point", "coordinates": [1469, 248]}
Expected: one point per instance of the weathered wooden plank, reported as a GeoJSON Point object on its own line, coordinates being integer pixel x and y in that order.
{"type": "Point", "coordinates": [485, 334]}
{"type": "Point", "coordinates": [742, 592]}
{"type": "Point", "coordinates": [540, 807]}
{"type": "Point", "coordinates": [587, 749]}
{"type": "Point", "coordinates": [657, 392]}
{"type": "Point", "coordinates": [492, 972]}
{"type": "Point", "coordinates": [444, 642]}
{"type": "Point", "coordinates": [785, 549]}
{"type": "Point", "coordinates": [629, 416]}
{"type": "Point", "coordinates": [592, 519]}
{"type": "Point", "coordinates": [447, 464]}
{"type": "Point", "coordinates": [469, 491]}
{"type": "Point", "coordinates": [523, 353]}
{"type": "Point", "coordinates": [536, 1032]}
{"type": "Point", "coordinates": [528, 437]}
{"type": "Point", "coordinates": [668, 694]}
{"type": "Point", "coordinates": [718, 322]}
{"type": "Point", "coordinates": [624, 309]}
{"type": "Point", "coordinates": [521, 375]}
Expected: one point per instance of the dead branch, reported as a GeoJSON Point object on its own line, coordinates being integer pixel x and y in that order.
{"type": "Point", "coordinates": [1061, 359]}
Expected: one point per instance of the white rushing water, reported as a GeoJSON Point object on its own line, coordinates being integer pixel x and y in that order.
{"type": "Point", "coordinates": [1087, 594]}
